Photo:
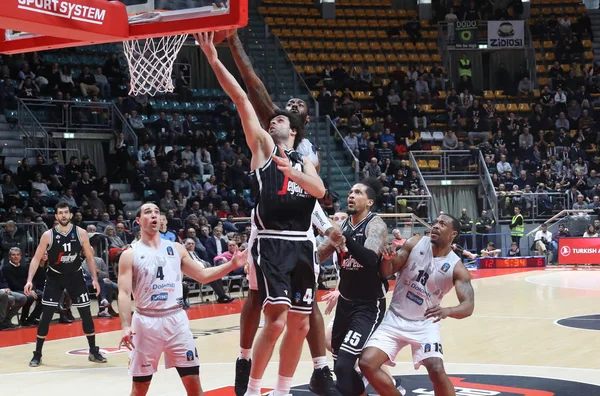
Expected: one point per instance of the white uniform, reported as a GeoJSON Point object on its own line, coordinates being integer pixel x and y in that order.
{"type": "Point", "coordinates": [421, 284]}
{"type": "Point", "coordinates": [307, 149]}
{"type": "Point", "coordinates": [319, 219]}
{"type": "Point", "coordinates": [160, 323]}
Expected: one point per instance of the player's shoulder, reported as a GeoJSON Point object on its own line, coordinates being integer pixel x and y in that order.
{"type": "Point", "coordinates": [376, 223]}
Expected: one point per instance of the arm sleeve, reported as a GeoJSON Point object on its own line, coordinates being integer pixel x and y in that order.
{"type": "Point", "coordinates": [364, 256]}
{"type": "Point", "coordinates": [319, 218]}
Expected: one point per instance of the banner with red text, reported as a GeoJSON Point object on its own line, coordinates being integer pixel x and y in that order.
{"type": "Point", "coordinates": [579, 251]}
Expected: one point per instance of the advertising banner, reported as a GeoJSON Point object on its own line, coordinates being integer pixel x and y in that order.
{"type": "Point", "coordinates": [506, 34]}
{"type": "Point", "coordinates": [579, 251]}
{"type": "Point", "coordinates": [465, 34]}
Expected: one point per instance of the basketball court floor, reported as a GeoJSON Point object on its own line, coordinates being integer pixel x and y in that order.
{"type": "Point", "coordinates": [533, 333]}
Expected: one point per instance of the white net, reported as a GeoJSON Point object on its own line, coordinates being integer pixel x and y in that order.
{"type": "Point", "coordinates": [151, 63]}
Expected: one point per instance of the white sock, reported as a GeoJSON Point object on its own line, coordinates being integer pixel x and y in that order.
{"type": "Point", "coordinates": [320, 362]}
{"type": "Point", "coordinates": [283, 386]}
{"type": "Point", "coordinates": [253, 387]}
{"type": "Point", "coordinates": [245, 354]}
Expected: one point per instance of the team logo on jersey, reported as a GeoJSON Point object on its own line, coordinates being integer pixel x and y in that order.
{"type": "Point", "coordinates": [445, 267]}
{"type": "Point", "coordinates": [159, 297]}
{"type": "Point", "coordinates": [57, 237]}
{"type": "Point", "coordinates": [170, 251]}
{"type": "Point", "coordinates": [298, 297]}
{"type": "Point", "coordinates": [414, 298]}
{"type": "Point", "coordinates": [427, 348]}
{"type": "Point", "coordinates": [189, 356]}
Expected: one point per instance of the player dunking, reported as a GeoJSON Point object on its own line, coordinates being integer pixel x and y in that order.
{"type": "Point", "coordinates": [283, 254]}
{"type": "Point", "coordinates": [427, 269]}
{"type": "Point", "coordinates": [321, 381]}
{"type": "Point", "coordinates": [153, 272]}
{"type": "Point", "coordinates": [361, 303]}
{"type": "Point", "coordinates": [65, 245]}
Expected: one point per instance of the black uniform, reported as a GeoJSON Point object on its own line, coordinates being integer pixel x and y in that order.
{"type": "Point", "coordinates": [360, 308]}
{"type": "Point", "coordinates": [65, 269]}
{"type": "Point", "coordinates": [361, 305]}
{"type": "Point", "coordinates": [284, 252]}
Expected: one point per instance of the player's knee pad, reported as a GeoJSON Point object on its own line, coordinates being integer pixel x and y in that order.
{"type": "Point", "coordinates": [185, 371]}
{"type": "Point", "coordinates": [348, 380]}
{"type": "Point", "coordinates": [145, 378]}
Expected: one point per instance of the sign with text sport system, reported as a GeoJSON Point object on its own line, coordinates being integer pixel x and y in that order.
{"type": "Point", "coordinates": [506, 34]}
{"type": "Point", "coordinates": [579, 251]}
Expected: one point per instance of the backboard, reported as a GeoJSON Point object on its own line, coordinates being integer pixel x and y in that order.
{"type": "Point", "coordinates": [35, 25]}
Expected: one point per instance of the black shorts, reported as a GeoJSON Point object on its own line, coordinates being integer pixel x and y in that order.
{"type": "Point", "coordinates": [73, 283]}
{"type": "Point", "coordinates": [354, 323]}
{"type": "Point", "coordinates": [286, 271]}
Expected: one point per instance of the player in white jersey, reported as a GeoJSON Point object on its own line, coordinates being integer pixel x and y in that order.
{"type": "Point", "coordinates": [426, 270]}
{"type": "Point", "coordinates": [153, 272]}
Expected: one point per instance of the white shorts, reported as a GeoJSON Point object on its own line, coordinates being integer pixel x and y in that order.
{"type": "Point", "coordinates": [394, 333]}
{"type": "Point", "coordinates": [154, 335]}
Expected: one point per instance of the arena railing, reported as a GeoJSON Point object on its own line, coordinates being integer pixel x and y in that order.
{"type": "Point", "coordinates": [35, 134]}
{"type": "Point", "coordinates": [64, 116]}
{"type": "Point", "coordinates": [65, 160]}
{"type": "Point", "coordinates": [357, 172]}
{"type": "Point", "coordinates": [444, 164]}
{"type": "Point", "coordinates": [488, 188]}
{"type": "Point", "coordinates": [534, 205]}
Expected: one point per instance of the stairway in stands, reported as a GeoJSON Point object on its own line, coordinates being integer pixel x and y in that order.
{"type": "Point", "coordinates": [280, 84]}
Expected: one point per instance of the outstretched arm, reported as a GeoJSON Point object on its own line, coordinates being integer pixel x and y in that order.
{"type": "Point", "coordinates": [257, 92]}
{"type": "Point", "coordinates": [206, 275]}
{"type": "Point", "coordinates": [257, 138]}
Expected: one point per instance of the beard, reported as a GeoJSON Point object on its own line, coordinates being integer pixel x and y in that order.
{"type": "Point", "coordinates": [64, 222]}
{"type": "Point", "coordinates": [351, 212]}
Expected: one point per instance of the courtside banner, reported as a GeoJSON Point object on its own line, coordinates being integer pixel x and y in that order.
{"type": "Point", "coordinates": [579, 251]}
{"type": "Point", "coordinates": [506, 34]}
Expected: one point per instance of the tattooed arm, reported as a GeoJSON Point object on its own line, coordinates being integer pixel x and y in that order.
{"type": "Point", "coordinates": [368, 254]}
{"type": "Point", "coordinates": [394, 261]}
{"type": "Point", "coordinates": [464, 292]}
{"type": "Point", "coordinates": [377, 235]}
{"type": "Point", "coordinates": [257, 93]}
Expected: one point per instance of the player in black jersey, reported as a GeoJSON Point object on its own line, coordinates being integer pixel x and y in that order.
{"type": "Point", "coordinates": [361, 303]}
{"type": "Point", "coordinates": [284, 255]}
{"type": "Point", "coordinates": [66, 244]}
{"type": "Point", "coordinates": [321, 381]}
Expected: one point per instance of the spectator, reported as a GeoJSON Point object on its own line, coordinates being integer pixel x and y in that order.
{"type": "Point", "coordinates": [450, 141]}
{"type": "Point", "coordinates": [10, 303]}
{"type": "Point", "coordinates": [543, 241]}
{"type": "Point", "coordinates": [514, 250]}
{"type": "Point", "coordinates": [108, 288]}
{"type": "Point", "coordinates": [15, 273]}
{"type": "Point", "coordinates": [590, 232]}
{"type": "Point", "coordinates": [490, 250]}
{"type": "Point", "coordinates": [217, 285]}
{"type": "Point", "coordinates": [226, 256]}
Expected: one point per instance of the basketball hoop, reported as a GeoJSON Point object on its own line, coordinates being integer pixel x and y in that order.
{"type": "Point", "coordinates": [151, 63]}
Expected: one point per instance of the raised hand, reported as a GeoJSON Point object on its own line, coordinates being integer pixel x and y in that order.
{"type": "Point", "coordinates": [240, 258]}
{"type": "Point", "coordinates": [221, 35]}
{"type": "Point", "coordinates": [206, 42]}
{"type": "Point", "coordinates": [283, 163]}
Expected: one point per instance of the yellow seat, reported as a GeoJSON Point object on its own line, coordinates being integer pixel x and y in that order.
{"type": "Point", "coordinates": [524, 107]}
{"type": "Point", "coordinates": [500, 107]}
{"type": "Point", "coordinates": [489, 95]}
{"type": "Point", "coordinates": [499, 94]}
{"type": "Point", "coordinates": [434, 164]}
{"type": "Point", "coordinates": [512, 107]}
{"type": "Point", "coordinates": [422, 164]}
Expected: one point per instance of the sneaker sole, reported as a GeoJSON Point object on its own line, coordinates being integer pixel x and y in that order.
{"type": "Point", "coordinates": [94, 360]}
{"type": "Point", "coordinates": [35, 365]}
